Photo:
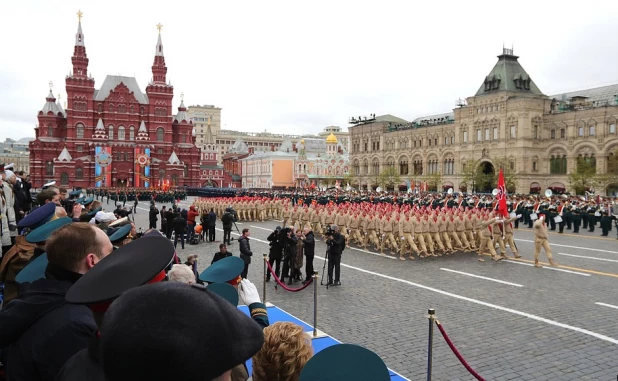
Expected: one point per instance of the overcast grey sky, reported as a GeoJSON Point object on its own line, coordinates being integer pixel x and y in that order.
{"type": "Point", "coordinates": [287, 66]}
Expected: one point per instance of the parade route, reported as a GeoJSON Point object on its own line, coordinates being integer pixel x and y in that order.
{"type": "Point", "coordinates": [509, 319]}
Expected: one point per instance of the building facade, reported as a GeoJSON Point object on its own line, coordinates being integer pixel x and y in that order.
{"type": "Point", "coordinates": [273, 170]}
{"type": "Point", "coordinates": [117, 135]}
{"type": "Point", "coordinates": [320, 165]}
{"type": "Point", "coordinates": [508, 122]}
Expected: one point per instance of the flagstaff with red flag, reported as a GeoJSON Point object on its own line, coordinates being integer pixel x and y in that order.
{"type": "Point", "coordinates": [502, 208]}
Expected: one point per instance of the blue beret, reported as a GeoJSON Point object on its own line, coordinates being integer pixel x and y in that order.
{"type": "Point", "coordinates": [132, 265]}
{"type": "Point", "coordinates": [33, 271]}
{"type": "Point", "coordinates": [226, 291]}
{"type": "Point", "coordinates": [43, 232]}
{"type": "Point", "coordinates": [119, 233]}
{"type": "Point", "coordinates": [135, 330]}
{"type": "Point", "coordinates": [38, 217]}
{"type": "Point", "coordinates": [343, 362]}
{"type": "Point", "coordinates": [224, 270]}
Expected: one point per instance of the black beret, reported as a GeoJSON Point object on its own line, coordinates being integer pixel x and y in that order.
{"type": "Point", "coordinates": [343, 362]}
{"type": "Point", "coordinates": [130, 266]}
{"type": "Point", "coordinates": [175, 331]}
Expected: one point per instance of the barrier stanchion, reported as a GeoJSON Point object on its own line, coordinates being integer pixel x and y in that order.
{"type": "Point", "coordinates": [265, 276]}
{"type": "Point", "coordinates": [315, 304]}
{"type": "Point", "coordinates": [431, 316]}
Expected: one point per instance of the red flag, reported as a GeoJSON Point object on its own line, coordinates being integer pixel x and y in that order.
{"type": "Point", "coordinates": [502, 208]}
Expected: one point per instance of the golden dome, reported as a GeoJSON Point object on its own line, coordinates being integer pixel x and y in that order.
{"type": "Point", "coordinates": [302, 141]}
{"type": "Point", "coordinates": [331, 138]}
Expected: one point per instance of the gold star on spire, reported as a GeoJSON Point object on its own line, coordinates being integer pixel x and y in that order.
{"type": "Point", "coordinates": [159, 26]}
{"type": "Point", "coordinates": [79, 15]}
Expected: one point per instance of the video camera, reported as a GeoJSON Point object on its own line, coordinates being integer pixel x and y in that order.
{"type": "Point", "coordinates": [330, 232]}
{"type": "Point", "coordinates": [233, 213]}
{"type": "Point", "coordinates": [68, 206]}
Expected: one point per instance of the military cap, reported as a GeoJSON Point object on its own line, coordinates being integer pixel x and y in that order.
{"type": "Point", "coordinates": [2, 166]}
{"type": "Point", "coordinates": [75, 193]}
{"type": "Point", "coordinates": [94, 212]}
{"type": "Point", "coordinates": [117, 234]}
{"type": "Point", "coordinates": [343, 362]}
{"type": "Point", "coordinates": [9, 166]}
{"type": "Point", "coordinates": [45, 186]}
{"type": "Point", "coordinates": [132, 265]}
{"type": "Point", "coordinates": [85, 200]}
{"type": "Point", "coordinates": [226, 291]}
{"type": "Point", "coordinates": [34, 270]}
{"type": "Point", "coordinates": [43, 232]}
{"type": "Point", "coordinates": [38, 217]}
{"type": "Point", "coordinates": [119, 222]}
{"type": "Point", "coordinates": [223, 271]}
{"type": "Point", "coordinates": [136, 338]}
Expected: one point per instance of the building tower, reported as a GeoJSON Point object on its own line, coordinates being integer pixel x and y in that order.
{"type": "Point", "coordinates": [160, 93]}
{"type": "Point", "coordinates": [331, 145]}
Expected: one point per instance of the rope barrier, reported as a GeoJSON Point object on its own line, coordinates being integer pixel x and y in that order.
{"type": "Point", "coordinates": [456, 352]}
{"type": "Point", "coordinates": [283, 284]}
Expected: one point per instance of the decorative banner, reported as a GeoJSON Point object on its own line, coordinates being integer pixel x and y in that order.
{"type": "Point", "coordinates": [102, 167]}
{"type": "Point", "coordinates": [142, 160]}
{"type": "Point", "coordinates": [103, 159]}
{"type": "Point", "coordinates": [141, 168]}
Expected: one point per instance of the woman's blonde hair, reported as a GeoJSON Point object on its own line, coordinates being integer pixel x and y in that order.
{"type": "Point", "coordinates": [286, 350]}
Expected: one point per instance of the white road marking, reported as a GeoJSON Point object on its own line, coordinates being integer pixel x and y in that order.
{"type": "Point", "coordinates": [257, 227]}
{"type": "Point", "coordinates": [482, 277]}
{"type": "Point", "coordinates": [489, 305]}
{"type": "Point", "coordinates": [606, 305]}
{"type": "Point", "coordinates": [594, 258]}
{"type": "Point", "coordinates": [573, 247]}
{"type": "Point", "coordinates": [548, 268]}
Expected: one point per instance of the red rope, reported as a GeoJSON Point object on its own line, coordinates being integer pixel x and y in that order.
{"type": "Point", "coordinates": [459, 356]}
{"type": "Point", "coordinates": [283, 284]}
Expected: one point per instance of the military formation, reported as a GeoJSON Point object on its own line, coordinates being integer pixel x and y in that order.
{"type": "Point", "coordinates": [124, 195]}
{"type": "Point", "coordinates": [426, 225]}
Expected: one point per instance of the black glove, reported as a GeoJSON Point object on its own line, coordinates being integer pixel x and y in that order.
{"type": "Point", "coordinates": [12, 227]}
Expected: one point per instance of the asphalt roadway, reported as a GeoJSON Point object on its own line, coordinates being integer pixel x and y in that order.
{"type": "Point", "coordinates": [509, 320]}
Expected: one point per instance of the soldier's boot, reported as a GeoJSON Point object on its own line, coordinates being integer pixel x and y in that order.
{"type": "Point", "coordinates": [481, 258]}
{"type": "Point", "coordinates": [536, 263]}
{"type": "Point", "coordinates": [552, 262]}
{"type": "Point", "coordinates": [516, 255]}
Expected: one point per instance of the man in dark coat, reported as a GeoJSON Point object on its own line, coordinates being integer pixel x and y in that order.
{"type": "Point", "coordinates": [245, 251]}
{"type": "Point", "coordinates": [336, 244]}
{"type": "Point", "coordinates": [275, 253]}
{"type": "Point", "coordinates": [180, 227]}
{"type": "Point", "coordinates": [309, 252]}
{"type": "Point", "coordinates": [289, 253]}
{"type": "Point", "coordinates": [169, 216]}
{"type": "Point", "coordinates": [223, 253]}
{"type": "Point", "coordinates": [152, 217]}
{"type": "Point", "coordinates": [212, 220]}
{"type": "Point", "coordinates": [227, 220]}
{"type": "Point", "coordinates": [39, 330]}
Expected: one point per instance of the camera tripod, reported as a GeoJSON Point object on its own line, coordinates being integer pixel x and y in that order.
{"type": "Point", "coordinates": [324, 268]}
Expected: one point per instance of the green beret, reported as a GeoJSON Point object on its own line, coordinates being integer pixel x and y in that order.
{"type": "Point", "coordinates": [34, 270]}
{"type": "Point", "coordinates": [43, 232]}
{"type": "Point", "coordinates": [224, 270]}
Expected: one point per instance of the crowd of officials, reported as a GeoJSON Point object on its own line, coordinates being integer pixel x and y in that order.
{"type": "Point", "coordinates": [84, 293]}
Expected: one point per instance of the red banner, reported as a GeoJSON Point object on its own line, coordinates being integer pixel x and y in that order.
{"type": "Point", "coordinates": [502, 208]}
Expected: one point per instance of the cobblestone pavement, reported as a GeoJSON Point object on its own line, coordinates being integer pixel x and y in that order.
{"type": "Point", "coordinates": [538, 324]}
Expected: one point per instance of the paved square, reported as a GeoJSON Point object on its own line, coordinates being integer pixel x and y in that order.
{"type": "Point", "coordinates": [509, 320]}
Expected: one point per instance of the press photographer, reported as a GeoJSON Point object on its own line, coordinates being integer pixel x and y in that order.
{"type": "Point", "coordinates": [336, 244]}
{"type": "Point", "coordinates": [289, 253]}
{"type": "Point", "coordinates": [275, 254]}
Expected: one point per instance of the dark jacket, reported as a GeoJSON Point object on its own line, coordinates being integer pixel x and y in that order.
{"type": "Point", "coordinates": [152, 214]}
{"type": "Point", "coordinates": [245, 249]}
{"type": "Point", "coordinates": [276, 245]}
{"type": "Point", "coordinates": [41, 330]}
{"type": "Point", "coordinates": [337, 244]}
{"type": "Point", "coordinates": [84, 365]}
{"type": "Point", "coordinates": [212, 220]}
{"type": "Point", "coordinates": [179, 224]}
{"type": "Point", "coordinates": [310, 244]}
{"type": "Point", "coordinates": [227, 219]}
{"type": "Point", "coordinates": [220, 255]}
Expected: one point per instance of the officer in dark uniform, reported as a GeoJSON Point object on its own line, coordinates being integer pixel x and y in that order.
{"type": "Point", "coordinates": [576, 218]}
{"type": "Point", "coordinates": [606, 223]}
{"type": "Point", "coordinates": [592, 218]}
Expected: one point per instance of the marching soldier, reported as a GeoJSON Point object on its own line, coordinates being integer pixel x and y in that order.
{"type": "Point", "coordinates": [486, 227]}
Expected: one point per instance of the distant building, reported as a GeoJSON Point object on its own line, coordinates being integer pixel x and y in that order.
{"type": "Point", "coordinates": [269, 169]}
{"type": "Point", "coordinates": [320, 167]}
{"type": "Point", "coordinates": [114, 136]}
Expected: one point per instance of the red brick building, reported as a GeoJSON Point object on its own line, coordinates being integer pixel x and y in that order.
{"type": "Point", "coordinates": [116, 135]}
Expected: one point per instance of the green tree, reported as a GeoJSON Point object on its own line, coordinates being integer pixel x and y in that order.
{"type": "Point", "coordinates": [584, 176]}
{"type": "Point", "coordinates": [471, 174]}
{"type": "Point", "coordinates": [510, 175]}
{"type": "Point", "coordinates": [350, 179]}
{"type": "Point", "coordinates": [389, 177]}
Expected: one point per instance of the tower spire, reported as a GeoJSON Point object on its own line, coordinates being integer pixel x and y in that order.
{"type": "Point", "coordinates": [159, 70]}
{"type": "Point", "coordinates": [79, 59]}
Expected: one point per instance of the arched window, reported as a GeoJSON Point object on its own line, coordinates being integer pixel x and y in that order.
{"type": "Point", "coordinates": [174, 179]}
{"type": "Point", "coordinates": [141, 110]}
{"type": "Point", "coordinates": [418, 167]}
{"type": "Point", "coordinates": [122, 109]}
{"type": "Point", "coordinates": [591, 130]}
{"type": "Point", "coordinates": [186, 171]}
{"type": "Point", "coordinates": [562, 133]}
{"type": "Point", "coordinates": [79, 174]}
{"type": "Point", "coordinates": [131, 133]}
{"type": "Point", "coordinates": [132, 109]}
{"type": "Point", "coordinates": [79, 131]}
{"type": "Point", "coordinates": [580, 131]}
{"type": "Point", "coordinates": [49, 168]}
{"type": "Point", "coordinates": [161, 174]}
{"type": "Point", "coordinates": [111, 132]}
{"type": "Point", "coordinates": [111, 107]}
{"type": "Point", "coordinates": [160, 134]}
{"type": "Point", "coordinates": [50, 131]}
{"type": "Point", "coordinates": [121, 133]}
{"type": "Point", "coordinates": [100, 108]}
{"type": "Point", "coordinates": [64, 178]}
